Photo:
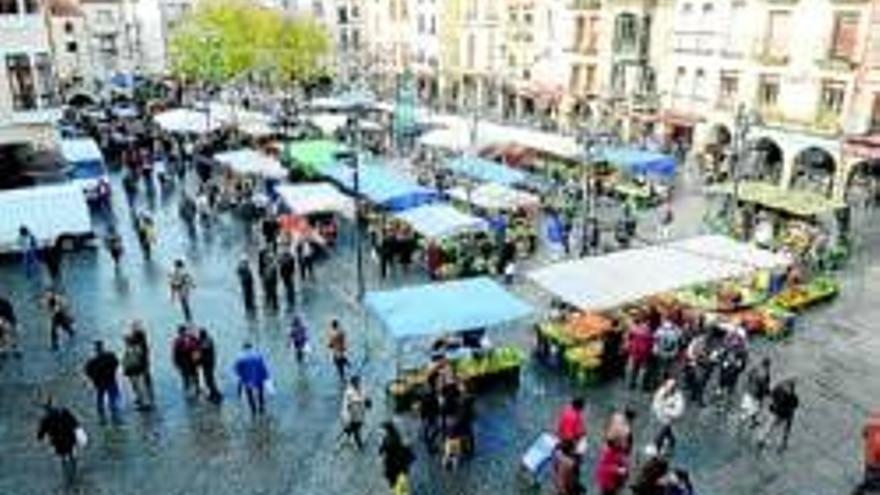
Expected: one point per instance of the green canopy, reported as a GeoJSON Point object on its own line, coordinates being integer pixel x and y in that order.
{"type": "Point", "coordinates": [793, 202]}
{"type": "Point", "coordinates": [313, 155]}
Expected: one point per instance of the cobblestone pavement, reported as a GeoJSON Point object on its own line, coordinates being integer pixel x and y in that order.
{"type": "Point", "coordinates": [192, 447]}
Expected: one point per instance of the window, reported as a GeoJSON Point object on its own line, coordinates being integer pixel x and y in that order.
{"type": "Point", "coordinates": [342, 15]}
{"type": "Point", "coordinates": [421, 23]}
{"type": "Point", "coordinates": [574, 80]}
{"type": "Point", "coordinates": [527, 18]}
{"type": "Point", "coordinates": [8, 7]}
{"type": "Point", "coordinates": [776, 37]}
{"type": "Point", "coordinates": [105, 16]}
{"type": "Point", "coordinates": [72, 47]}
{"type": "Point", "coordinates": [579, 30]}
{"type": "Point", "coordinates": [68, 27]}
{"type": "Point", "coordinates": [593, 34]}
{"type": "Point", "coordinates": [707, 9]}
{"type": "Point", "coordinates": [678, 85]}
{"type": "Point", "coordinates": [727, 89]}
{"type": "Point", "coordinates": [433, 25]}
{"type": "Point", "coordinates": [107, 43]}
{"type": "Point", "coordinates": [471, 50]}
{"type": "Point", "coordinates": [343, 41]}
{"type": "Point", "coordinates": [21, 82]}
{"type": "Point", "coordinates": [618, 78]}
{"type": "Point", "coordinates": [687, 8]}
{"type": "Point", "coordinates": [699, 87]}
{"type": "Point", "coordinates": [832, 96]}
{"type": "Point", "coordinates": [625, 32]}
{"type": "Point", "coordinates": [355, 39]}
{"type": "Point", "coordinates": [590, 78]}
{"type": "Point", "coordinates": [43, 66]}
{"type": "Point", "coordinates": [874, 124]}
{"type": "Point", "coordinates": [513, 16]}
{"type": "Point", "coordinates": [768, 91]}
{"type": "Point", "coordinates": [843, 36]}
{"type": "Point", "coordinates": [30, 6]}
{"type": "Point", "coordinates": [355, 13]}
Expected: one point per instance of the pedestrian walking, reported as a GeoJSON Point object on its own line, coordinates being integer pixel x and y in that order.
{"type": "Point", "coordinates": [299, 337]}
{"type": "Point", "coordinates": [59, 316]}
{"type": "Point", "coordinates": [664, 228]}
{"type": "Point", "coordinates": [756, 392]}
{"type": "Point", "coordinates": [134, 367]}
{"type": "Point", "coordinates": [115, 247]}
{"type": "Point", "coordinates": [53, 256]}
{"type": "Point", "coordinates": [397, 457]}
{"type": "Point", "coordinates": [287, 271]}
{"type": "Point", "coordinates": [668, 407]}
{"type": "Point", "coordinates": [29, 248]}
{"type": "Point", "coordinates": [206, 359]}
{"type": "Point", "coordinates": [667, 339]}
{"type": "Point", "coordinates": [695, 372]}
{"type": "Point", "coordinates": [269, 278]}
{"type": "Point", "coordinates": [187, 210]}
{"type": "Point", "coordinates": [246, 280]}
{"type": "Point", "coordinates": [571, 425]}
{"type": "Point", "coordinates": [784, 402]}
{"type": "Point", "coordinates": [184, 351]}
{"type": "Point", "coordinates": [619, 429]}
{"type": "Point", "coordinates": [734, 359]}
{"type": "Point", "coordinates": [181, 285]}
{"type": "Point", "coordinates": [305, 253]}
{"type": "Point", "coordinates": [101, 370]}
{"type": "Point", "coordinates": [253, 378]}
{"type": "Point", "coordinates": [639, 345]}
{"type": "Point", "coordinates": [130, 188]}
{"type": "Point", "coordinates": [355, 404]}
{"type": "Point", "coordinates": [336, 342]}
{"type": "Point", "coordinates": [61, 429]}
{"type": "Point", "coordinates": [8, 328]}
{"type": "Point", "coordinates": [138, 333]}
{"type": "Point", "coordinates": [146, 234]}
{"type": "Point", "coordinates": [612, 468]}
{"type": "Point", "coordinates": [650, 479]}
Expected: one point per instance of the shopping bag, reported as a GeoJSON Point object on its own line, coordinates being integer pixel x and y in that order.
{"type": "Point", "coordinates": [82, 439]}
{"type": "Point", "coordinates": [270, 387]}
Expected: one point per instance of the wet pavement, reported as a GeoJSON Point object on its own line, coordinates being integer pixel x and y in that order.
{"type": "Point", "coordinates": [193, 447]}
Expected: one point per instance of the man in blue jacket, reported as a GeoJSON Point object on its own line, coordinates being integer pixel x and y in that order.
{"type": "Point", "coordinates": [253, 374]}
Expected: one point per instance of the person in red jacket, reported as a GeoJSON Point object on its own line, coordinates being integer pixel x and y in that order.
{"type": "Point", "coordinates": [611, 469]}
{"type": "Point", "coordinates": [639, 345]}
{"type": "Point", "coordinates": [571, 425]}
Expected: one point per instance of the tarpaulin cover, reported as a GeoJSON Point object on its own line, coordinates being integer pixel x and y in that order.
{"type": "Point", "coordinates": [486, 170]}
{"type": "Point", "coordinates": [81, 150]}
{"type": "Point", "coordinates": [441, 220]}
{"type": "Point", "coordinates": [608, 281]}
{"type": "Point", "coordinates": [442, 307]}
{"type": "Point", "coordinates": [319, 197]}
{"type": "Point", "coordinates": [248, 161]}
{"type": "Point", "coordinates": [184, 120]}
{"type": "Point", "coordinates": [381, 185]}
{"type": "Point", "coordinates": [640, 162]}
{"type": "Point", "coordinates": [313, 155]}
{"type": "Point", "coordinates": [495, 197]}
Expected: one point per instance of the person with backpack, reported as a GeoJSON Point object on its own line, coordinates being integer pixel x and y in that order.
{"type": "Point", "coordinates": [667, 339]}
{"type": "Point", "coordinates": [397, 457]}
{"type": "Point", "coordinates": [784, 402]}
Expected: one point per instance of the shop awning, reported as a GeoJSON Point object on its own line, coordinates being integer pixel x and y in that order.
{"type": "Point", "coordinates": [495, 197]}
{"type": "Point", "coordinates": [186, 121]}
{"type": "Point", "coordinates": [793, 202]}
{"type": "Point", "coordinates": [486, 170]}
{"type": "Point", "coordinates": [440, 221]}
{"type": "Point", "coordinates": [247, 161]}
{"type": "Point", "coordinates": [381, 185]}
{"type": "Point", "coordinates": [319, 197]}
{"type": "Point", "coordinates": [608, 281]}
{"type": "Point", "coordinates": [312, 155]}
{"type": "Point", "coordinates": [445, 307]}
{"type": "Point", "coordinates": [640, 162]}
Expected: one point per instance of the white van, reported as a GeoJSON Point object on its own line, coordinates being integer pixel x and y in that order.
{"type": "Point", "coordinates": [49, 213]}
{"type": "Point", "coordinates": [85, 164]}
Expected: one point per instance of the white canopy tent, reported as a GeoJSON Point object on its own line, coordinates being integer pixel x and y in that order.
{"type": "Point", "coordinates": [186, 121]}
{"type": "Point", "coordinates": [440, 221]}
{"type": "Point", "coordinates": [320, 197]}
{"type": "Point", "coordinates": [247, 161]}
{"type": "Point", "coordinates": [623, 277]}
{"type": "Point", "coordinates": [492, 196]}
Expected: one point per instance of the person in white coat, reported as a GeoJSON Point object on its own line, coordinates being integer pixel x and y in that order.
{"type": "Point", "coordinates": [668, 407]}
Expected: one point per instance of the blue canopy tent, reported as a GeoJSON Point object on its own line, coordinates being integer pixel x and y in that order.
{"type": "Point", "coordinates": [381, 185]}
{"type": "Point", "coordinates": [640, 162]}
{"type": "Point", "coordinates": [486, 170]}
{"type": "Point", "coordinates": [443, 307]}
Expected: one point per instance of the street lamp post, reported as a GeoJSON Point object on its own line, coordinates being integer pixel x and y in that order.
{"type": "Point", "coordinates": [743, 122]}
{"type": "Point", "coordinates": [351, 159]}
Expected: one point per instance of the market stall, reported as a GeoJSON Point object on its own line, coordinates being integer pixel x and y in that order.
{"type": "Point", "coordinates": [483, 170]}
{"type": "Point", "coordinates": [384, 187]}
{"type": "Point", "coordinates": [248, 162]}
{"type": "Point", "coordinates": [454, 310]}
{"type": "Point", "coordinates": [438, 221]}
{"type": "Point", "coordinates": [320, 203]}
{"type": "Point", "coordinates": [310, 156]}
{"type": "Point", "coordinates": [639, 175]}
{"type": "Point", "coordinates": [710, 275]}
{"type": "Point", "coordinates": [186, 121]}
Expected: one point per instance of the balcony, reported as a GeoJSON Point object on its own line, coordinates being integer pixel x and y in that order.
{"type": "Point", "coordinates": [833, 64]}
{"type": "Point", "coordinates": [585, 5]}
{"type": "Point", "coordinates": [765, 57]}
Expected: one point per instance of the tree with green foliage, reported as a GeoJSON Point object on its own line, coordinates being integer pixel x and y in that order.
{"type": "Point", "coordinates": [224, 40]}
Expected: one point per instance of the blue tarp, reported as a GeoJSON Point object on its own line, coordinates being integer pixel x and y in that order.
{"type": "Point", "coordinates": [486, 170]}
{"type": "Point", "coordinates": [443, 307]}
{"type": "Point", "coordinates": [381, 185]}
{"type": "Point", "coordinates": [640, 162]}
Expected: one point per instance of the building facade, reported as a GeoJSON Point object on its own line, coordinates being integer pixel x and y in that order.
{"type": "Point", "coordinates": [28, 93]}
